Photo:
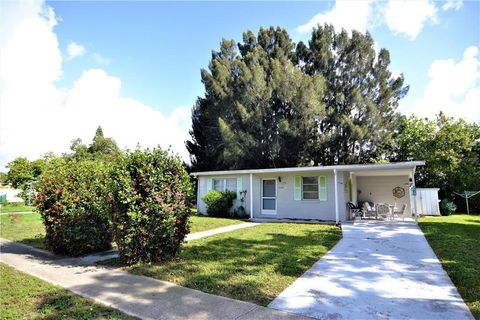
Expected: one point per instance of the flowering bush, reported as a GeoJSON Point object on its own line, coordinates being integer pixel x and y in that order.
{"type": "Point", "coordinates": [72, 199]}
{"type": "Point", "coordinates": [219, 203]}
{"type": "Point", "coordinates": [151, 208]}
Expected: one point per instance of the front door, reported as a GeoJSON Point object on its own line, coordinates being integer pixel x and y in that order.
{"type": "Point", "coordinates": [269, 196]}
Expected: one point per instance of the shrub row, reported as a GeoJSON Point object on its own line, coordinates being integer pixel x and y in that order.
{"type": "Point", "coordinates": [141, 202]}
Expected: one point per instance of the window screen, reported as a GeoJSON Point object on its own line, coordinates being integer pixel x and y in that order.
{"type": "Point", "coordinates": [310, 188]}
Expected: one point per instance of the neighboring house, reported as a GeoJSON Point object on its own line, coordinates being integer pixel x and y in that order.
{"type": "Point", "coordinates": [318, 192]}
{"type": "Point", "coordinates": [10, 193]}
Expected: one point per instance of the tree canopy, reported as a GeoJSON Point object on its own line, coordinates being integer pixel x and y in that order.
{"type": "Point", "coordinates": [271, 103]}
{"type": "Point", "coordinates": [451, 151]}
{"type": "Point", "coordinates": [100, 147]}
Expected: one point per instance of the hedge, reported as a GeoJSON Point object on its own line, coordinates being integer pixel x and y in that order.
{"type": "Point", "coordinates": [72, 198]}
{"type": "Point", "coordinates": [150, 216]}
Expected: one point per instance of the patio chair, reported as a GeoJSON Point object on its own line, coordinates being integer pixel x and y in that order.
{"type": "Point", "coordinates": [400, 212]}
{"type": "Point", "coordinates": [369, 210]}
{"type": "Point", "coordinates": [383, 210]}
{"type": "Point", "coordinates": [355, 211]}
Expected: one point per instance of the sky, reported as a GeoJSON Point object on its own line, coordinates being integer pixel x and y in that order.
{"type": "Point", "coordinates": [134, 67]}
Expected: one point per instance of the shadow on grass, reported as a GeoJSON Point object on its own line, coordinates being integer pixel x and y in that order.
{"type": "Point", "coordinates": [250, 268]}
{"type": "Point", "coordinates": [457, 246]}
{"type": "Point", "coordinates": [65, 305]}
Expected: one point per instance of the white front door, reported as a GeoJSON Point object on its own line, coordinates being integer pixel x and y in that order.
{"type": "Point", "coordinates": [269, 196]}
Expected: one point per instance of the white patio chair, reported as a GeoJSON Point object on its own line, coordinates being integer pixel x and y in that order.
{"type": "Point", "coordinates": [400, 212]}
{"type": "Point", "coordinates": [368, 210]}
{"type": "Point", "coordinates": [383, 210]}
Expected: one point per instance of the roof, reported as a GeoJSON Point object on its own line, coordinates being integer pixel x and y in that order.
{"type": "Point", "coordinates": [349, 167]}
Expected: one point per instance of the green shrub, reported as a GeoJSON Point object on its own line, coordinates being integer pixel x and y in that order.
{"type": "Point", "coordinates": [219, 203]}
{"type": "Point", "coordinates": [72, 198]}
{"type": "Point", "coordinates": [151, 209]}
{"type": "Point", "coordinates": [447, 207]}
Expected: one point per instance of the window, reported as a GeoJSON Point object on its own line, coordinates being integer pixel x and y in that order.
{"type": "Point", "coordinates": [310, 188]}
{"type": "Point", "coordinates": [225, 184]}
{"type": "Point", "coordinates": [231, 184]}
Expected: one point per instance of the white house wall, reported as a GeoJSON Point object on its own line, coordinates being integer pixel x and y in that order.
{"type": "Point", "coordinates": [289, 208]}
{"type": "Point", "coordinates": [202, 190]}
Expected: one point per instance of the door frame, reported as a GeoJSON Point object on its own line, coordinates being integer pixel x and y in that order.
{"type": "Point", "coordinates": [263, 211]}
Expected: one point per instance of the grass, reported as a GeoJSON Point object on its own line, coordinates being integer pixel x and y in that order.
{"type": "Point", "coordinates": [202, 223]}
{"type": "Point", "coordinates": [26, 228]}
{"type": "Point", "coordinates": [16, 208]}
{"type": "Point", "coordinates": [25, 297]}
{"type": "Point", "coordinates": [253, 264]}
{"type": "Point", "coordinates": [456, 242]}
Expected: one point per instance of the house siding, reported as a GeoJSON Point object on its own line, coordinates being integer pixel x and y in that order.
{"type": "Point", "coordinates": [286, 206]}
{"type": "Point", "coordinates": [202, 190]}
{"type": "Point", "coordinates": [373, 188]}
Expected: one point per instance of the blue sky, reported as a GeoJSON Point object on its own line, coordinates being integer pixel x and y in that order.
{"type": "Point", "coordinates": [134, 67]}
{"type": "Point", "coordinates": [158, 48]}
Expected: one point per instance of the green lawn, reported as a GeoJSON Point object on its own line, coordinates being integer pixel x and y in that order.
{"type": "Point", "coordinates": [20, 208]}
{"type": "Point", "coordinates": [202, 223]}
{"type": "Point", "coordinates": [456, 241]}
{"type": "Point", "coordinates": [25, 228]}
{"type": "Point", "coordinates": [25, 297]}
{"type": "Point", "coordinates": [253, 264]}
{"type": "Point", "coordinates": [28, 228]}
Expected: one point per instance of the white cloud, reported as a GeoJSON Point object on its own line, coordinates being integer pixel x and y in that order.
{"type": "Point", "coordinates": [452, 4]}
{"type": "Point", "coordinates": [75, 50]}
{"type": "Point", "coordinates": [454, 88]}
{"type": "Point", "coordinates": [409, 17]}
{"type": "Point", "coordinates": [98, 58]}
{"type": "Point", "coordinates": [348, 14]}
{"type": "Point", "coordinates": [37, 116]}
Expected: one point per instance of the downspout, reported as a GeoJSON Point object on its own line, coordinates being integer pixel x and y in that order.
{"type": "Point", "coordinates": [414, 192]}
{"type": "Point", "coordinates": [251, 195]}
{"type": "Point", "coordinates": [337, 220]}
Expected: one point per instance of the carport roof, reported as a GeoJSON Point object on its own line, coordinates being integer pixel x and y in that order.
{"type": "Point", "coordinates": [350, 167]}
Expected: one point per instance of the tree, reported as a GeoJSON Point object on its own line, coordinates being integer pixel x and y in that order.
{"type": "Point", "coordinates": [360, 99]}
{"type": "Point", "coordinates": [3, 177]}
{"type": "Point", "coordinates": [79, 149]}
{"type": "Point", "coordinates": [269, 103]}
{"type": "Point", "coordinates": [20, 173]}
{"type": "Point", "coordinates": [450, 148]}
{"type": "Point", "coordinates": [100, 148]}
{"type": "Point", "coordinates": [259, 109]}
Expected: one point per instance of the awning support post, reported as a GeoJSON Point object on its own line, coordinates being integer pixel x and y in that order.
{"type": "Point", "coordinates": [251, 195]}
{"type": "Point", "coordinates": [337, 220]}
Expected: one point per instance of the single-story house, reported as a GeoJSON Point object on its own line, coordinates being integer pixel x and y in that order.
{"type": "Point", "coordinates": [316, 192]}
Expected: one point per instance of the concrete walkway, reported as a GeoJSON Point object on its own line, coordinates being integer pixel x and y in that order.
{"type": "Point", "coordinates": [138, 296]}
{"type": "Point", "coordinates": [379, 270]}
{"type": "Point", "coordinates": [211, 232]}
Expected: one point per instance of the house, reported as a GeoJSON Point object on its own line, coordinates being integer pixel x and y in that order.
{"type": "Point", "coordinates": [10, 194]}
{"type": "Point", "coordinates": [317, 192]}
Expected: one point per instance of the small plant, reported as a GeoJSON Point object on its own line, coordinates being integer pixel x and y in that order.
{"type": "Point", "coordinates": [447, 207]}
{"type": "Point", "coordinates": [219, 202]}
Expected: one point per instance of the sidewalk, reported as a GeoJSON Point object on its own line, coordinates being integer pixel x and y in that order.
{"type": "Point", "coordinates": [211, 232]}
{"type": "Point", "coordinates": [138, 296]}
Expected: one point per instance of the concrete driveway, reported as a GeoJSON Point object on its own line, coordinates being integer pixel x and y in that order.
{"type": "Point", "coordinates": [379, 270]}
